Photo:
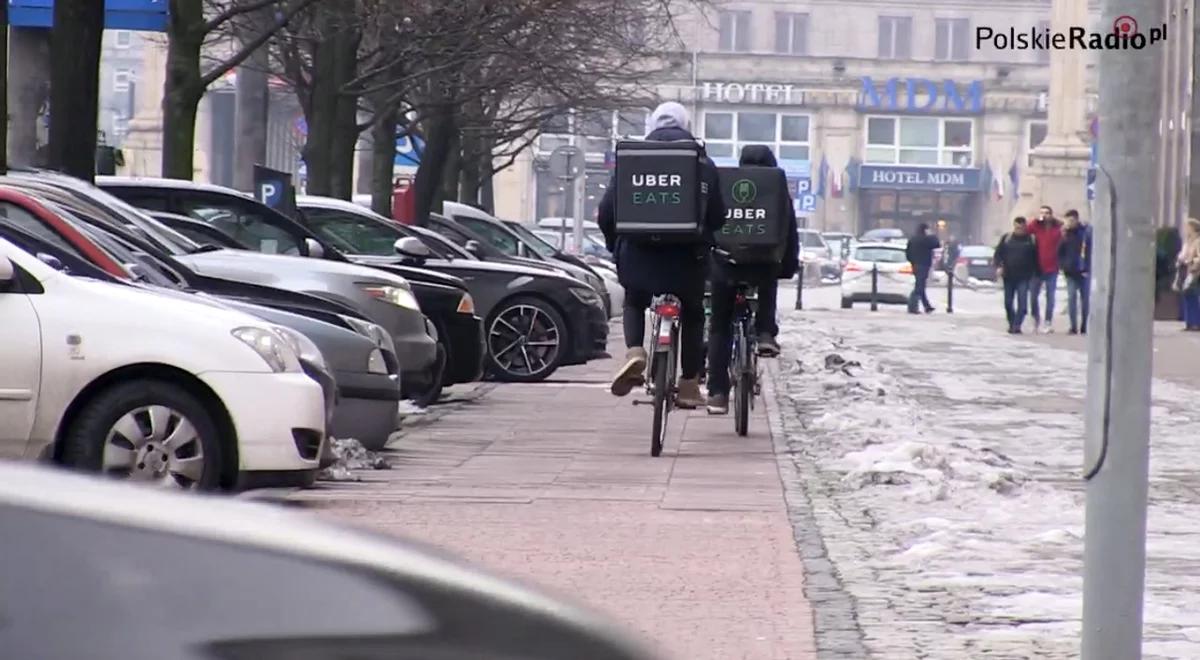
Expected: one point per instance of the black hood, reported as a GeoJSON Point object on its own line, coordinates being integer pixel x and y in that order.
{"type": "Point", "coordinates": [669, 133]}
{"type": "Point", "coordinates": [758, 154]}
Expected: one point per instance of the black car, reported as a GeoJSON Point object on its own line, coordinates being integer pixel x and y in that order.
{"type": "Point", "coordinates": [509, 296]}
{"type": "Point", "coordinates": [535, 320]}
{"type": "Point", "coordinates": [441, 297]}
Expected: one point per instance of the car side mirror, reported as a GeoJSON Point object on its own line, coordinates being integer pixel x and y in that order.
{"type": "Point", "coordinates": [51, 261]}
{"type": "Point", "coordinates": [474, 248]}
{"type": "Point", "coordinates": [314, 248]}
{"type": "Point", "coordinates": [412, 247]}
{"type": "Point", "coordinates": [8, 272]}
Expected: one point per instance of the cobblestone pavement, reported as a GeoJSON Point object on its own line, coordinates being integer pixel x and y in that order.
{"type": "Point", "coordinates": [939, 460]}
{"type": "Point", "coordinates": [553, 483]}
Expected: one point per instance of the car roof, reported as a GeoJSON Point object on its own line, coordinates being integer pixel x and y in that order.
{"type": "Point", "coordinates": [318, 201]}
{"type": "Point", "coordinates": [873, 245]}
{"type": "Point", "coordinates": [55, 491]}
{"type": "Point", "coordinates": [159, 182]}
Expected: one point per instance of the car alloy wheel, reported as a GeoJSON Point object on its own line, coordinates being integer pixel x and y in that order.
{"type": "Point", "coordinates": [157, 444]}
{"type": "Point", "coordinates": [525, 341]}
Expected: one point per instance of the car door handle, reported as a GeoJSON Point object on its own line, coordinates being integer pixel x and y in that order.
{"type": "Point", "coordinates": [15, 395]}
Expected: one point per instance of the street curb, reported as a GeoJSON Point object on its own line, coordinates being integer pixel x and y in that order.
{"type": "Point", "coordinates": [836, 630]}
{"type": "Point", "coordinates": [440, 410]}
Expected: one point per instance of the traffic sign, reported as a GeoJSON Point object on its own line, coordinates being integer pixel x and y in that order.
{"type": "Point", "coordinates": [140, 15]}
{"type": "Point", "coordinates": [409, 149]}
{"type": "Point", "coordinates": [566, 162]}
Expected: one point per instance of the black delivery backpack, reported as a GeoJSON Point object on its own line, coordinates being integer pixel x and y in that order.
{"type": "Point", "coordinates": [660, 190]}
{"type": "Point", "coordinates": [756, 217]}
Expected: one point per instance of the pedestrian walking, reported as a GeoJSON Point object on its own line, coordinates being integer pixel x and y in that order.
{"type": "Point", "coordinates": [1047, 233]}
{"type": "Point", "coordinates": [1188, 280]}
{"type": "Point", "coordinates": [1017, 266]}
{"type": "Point", "coordinates": [1074, 259]}
{"type": "Point", "coordinates": [919, 252]}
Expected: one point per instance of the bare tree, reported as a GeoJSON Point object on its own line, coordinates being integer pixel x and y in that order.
{"type": "Point", "coordinates": [75, 85]}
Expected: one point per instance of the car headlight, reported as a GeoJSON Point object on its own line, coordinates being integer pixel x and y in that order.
{"type": "Point", "coordinates": [302, 345]}
{"type": "Point", "coordinates": [586, 296]}
{"type": "Point", "coordinates": [466, 305]}
{"type": "Point", "coordinates": [395, 295]}
{"type": "Point", "coordinates": [376, 364]}
{"type": "Point", "coordinates": [372, 331]}
{"type": "Point", "coordinates": [271, 347]}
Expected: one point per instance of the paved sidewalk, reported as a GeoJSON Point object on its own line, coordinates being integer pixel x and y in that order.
{"type": "Point", "coordinates": [553, 483]}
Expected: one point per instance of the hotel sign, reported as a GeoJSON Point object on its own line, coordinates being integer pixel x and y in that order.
{"type": "Point", "coordinates": [919, 95]}
{"type": "Point", "coordinates": [889, 177]}
{"type": "Point", "coordinates": [753, 93]}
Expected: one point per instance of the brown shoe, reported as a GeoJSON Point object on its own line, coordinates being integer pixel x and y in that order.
{"type": "Point", "coordinates": [631, 374]}
{"type": "Point", "coordinates": [689, 395]}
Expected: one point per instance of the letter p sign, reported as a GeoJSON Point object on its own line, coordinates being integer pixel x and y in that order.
{"type": "Point", "coordinates": [269, 192]}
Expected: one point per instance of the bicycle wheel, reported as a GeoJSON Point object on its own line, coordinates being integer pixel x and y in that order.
{"type": "Point", "coordinates": [743, 394]}
{"type": "Point", "coordinates": [662, 395]}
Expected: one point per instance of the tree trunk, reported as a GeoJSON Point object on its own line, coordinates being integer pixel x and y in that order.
{"type": "Point", "coordinates": [253, 107]}
{"type": "Point", "coordinates": [184, 88]}
{"type": "Point", "coordinates": [451, 172]}
{"type": "Point", "coordinates": [28, 92]}
{"type": "Point", "coordinates": [383, 159]}
{"type": "Point", "coordinates": [487, 191]}
{"type": "Point", "coordinates": [439, 141]}
{"type": "Point", "coordinates": [469, 181]}
{"type": "Point", "coordinates": [332, 115]}
{"type": "Point", "coordinates": [75, 85]}
{"type": "Point", "coordinates": [319, 114]}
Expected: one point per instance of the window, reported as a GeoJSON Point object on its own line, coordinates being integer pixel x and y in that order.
{"type": "Point", "coordinates": [791, 33]}
{"type": "Point", "coordinates": [881, 255]}
{"type": "Point", "coordinates": [16, 216]}
{"type": "Point", "coordinates": [930, 141]}
{"type": "Point", "coordinates": [895, 37]}
{"type": "Point", "coordinates": [952, 39]}
{"type": "Point", "coordinates": [725, 133]}
{"type": "Point", "coordinates": [497, 236]}
{"type": "Point", "coordinates": [735, 32]}
{"type": "Point", "coordinates": [123, 38]}
{"type": "Point", "coordinates": [351, 233]}
{"type": "Point", "coordinates": [602, 130]}
{"type": "Point", "coordinates": [1042, 55]}
{"type": "Point", "coordinates": [122, 78]}
{"type": "Point", "coordinates": [1035, 135]}
{"type": "Point", "coordinates": [244, 224]}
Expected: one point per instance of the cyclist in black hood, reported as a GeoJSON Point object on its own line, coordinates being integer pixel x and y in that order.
{"type": "Point", "coordinates": [724, 287]}
{"type": "Point", "coordinates": [646, 269]}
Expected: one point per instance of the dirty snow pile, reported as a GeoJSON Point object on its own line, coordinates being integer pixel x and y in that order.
{"type": "Point", "coordinates": [942, 460]}
{"type": "Point", "coordinates": [351, 455]}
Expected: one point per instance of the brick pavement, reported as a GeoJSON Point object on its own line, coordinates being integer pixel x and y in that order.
{"type": "Point", "coordinates": [553, 483]}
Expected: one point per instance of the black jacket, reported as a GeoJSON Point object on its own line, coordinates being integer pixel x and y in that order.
{"type": "Point", "coordinates": [1017, 255]}
{"type": "Point", "coordinates": [761, 156]}
{"type": "Point", "coordinates": [664, 268]}
{"type": "Point", "coordinates": [919, 250]}
{"type": "Point", "coordinates": [1074, 252]}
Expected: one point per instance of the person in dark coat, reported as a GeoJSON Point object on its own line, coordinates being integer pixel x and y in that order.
{"type": "Point", "coordinates": [724, 288]}
{"type": "Point", "coordinates": [1074, 259]}
{"type": "Point", "coordinates": [919, 252]}
{"type": "Point", "coordinates": [647, 269]}
{"type": "Point", "coordinates": [1017, 265]}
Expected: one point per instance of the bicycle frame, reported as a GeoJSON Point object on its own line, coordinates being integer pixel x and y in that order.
{"type": "Point", "coordinates": [664, 337]}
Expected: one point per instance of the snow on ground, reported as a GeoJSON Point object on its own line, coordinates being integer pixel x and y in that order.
{"type": "Point", "coordinates": [947, 459]}
{"type": "Point", "coordinates": [351, 455]}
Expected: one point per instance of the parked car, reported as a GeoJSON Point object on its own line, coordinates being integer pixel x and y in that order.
{"type": "Point", "coordinates": [978, 260]}
{"type": "Point", "coordinates": [360, 376]}
{"type": "Point", "coordinates": [567, 226]}
{"type": "Point", "coordinates": [883, 235]}
{"type": "Point", "coordinates": [593, 243]}
{"type": "Point", "coordinates": [565, 319]}
{"type": "Point", "coordinates": [894, 279]}
{"type": "Point", "coordinates": [105, 556]}
{"type": "Point", "coordinates": [816, 256]}
{"type": "Point", "coordinates": [605, 269]}
{"type": "Point", "coordinates": [387, 298]}
{"type": "Point", "coordinates": [116, 379]}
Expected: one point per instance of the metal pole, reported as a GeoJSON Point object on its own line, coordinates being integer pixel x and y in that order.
{"type": "Point", "coordinates": [950, 291]}
{"type": "Point", "coordinates": [874, 287]}
{"type": "Point", "coordinates": [800, 286]}
{"type": "Point", "coordinates": [1117, 422]}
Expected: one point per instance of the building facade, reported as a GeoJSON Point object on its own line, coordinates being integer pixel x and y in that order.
{"type": "Point", "coordinates": [882, 114]}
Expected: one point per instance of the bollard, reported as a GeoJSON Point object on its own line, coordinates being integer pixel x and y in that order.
{"type": "Point", "coordinates": [950, 292]}
{"type": "Point", "coordinates": [800, 287]}
{"type": "Point", "coordinates": [874, 287]}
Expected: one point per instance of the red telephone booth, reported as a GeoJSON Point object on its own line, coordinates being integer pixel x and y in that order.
{"type": "Point", "coordinates": [404, 201]}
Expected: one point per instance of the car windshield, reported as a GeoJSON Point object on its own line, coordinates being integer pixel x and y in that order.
{"type": "Point", "coordinates": [883, 255]}
{"type": "Point", "coordinates": [443, 246]}
{"type": "Point", "coordinates": [811, 239]}
{"type": "Point", "coordinates": [532, 240]}
{"type": "Point", "coordinates": [161, 235]}
{"type": "Point", "coordinates": [353, 233]}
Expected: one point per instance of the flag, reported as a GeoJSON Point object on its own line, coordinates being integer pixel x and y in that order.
{"type": "Point", "coordinates": [1014, 178]}
{"type": "Point", "coordinates": [838, 185]}
{"type": "Point", "coordinates": [821, 176]}
{"type": "Point", "coordinates": [998, 187]}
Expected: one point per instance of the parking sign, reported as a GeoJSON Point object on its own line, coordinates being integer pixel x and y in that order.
{"type": "Point", "coordinates": [806, 201]}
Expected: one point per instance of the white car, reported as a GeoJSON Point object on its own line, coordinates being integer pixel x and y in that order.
{"type": "Point", "coordinates": [894, 275]}
{"type": "Point", "coordinates": [129, 382]}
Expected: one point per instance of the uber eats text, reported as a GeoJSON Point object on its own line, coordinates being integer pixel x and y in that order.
{"type": "Point", "coordinates": [662, 193]}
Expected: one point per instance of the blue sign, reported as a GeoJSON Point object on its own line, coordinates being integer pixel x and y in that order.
{"type": "Point", "coordinates": [893, 177]}
{"type": "Point", "coordinates": [141, 15]}
{"type": "Point", "coordinates": [274, 188]}
{"type": "Point", "coordinates": [919, 95]}
{"type": "Point", "coordinates": [1091, 174]}
{"type": "Point", "coordinates": [806, 200]}
{"type": "Point", "coordinates": [409, 149]}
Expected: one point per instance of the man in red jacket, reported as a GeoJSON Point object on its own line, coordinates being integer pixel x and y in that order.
{"type": "Point", "coordinates": [1047, 233]}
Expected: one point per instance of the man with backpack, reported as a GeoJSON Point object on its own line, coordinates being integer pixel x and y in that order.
{"type": "Point", "coordinates": [919, 252]}
{"type": "Point", "coordinates": [1017, 265]}
{"type": "Point", "coordinates": [647, 268]}
{"type": "Point", "coordinates": [765, 277]}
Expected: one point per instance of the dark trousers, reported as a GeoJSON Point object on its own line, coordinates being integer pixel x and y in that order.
{"type": "Point", "coordinates": [691, 335]}
{"type": "Point", "coordinates": [1077, 301]}
{"type": "Point", "coordinates": [1049, 282]}
{"type": "Point", "coordinates": [720, 333]}
{"type": "Point", "coordinates": [1191, 309]}
{"type": "Point", "coordinates": [918, 297]}
{"type": "Point", "coordinates": [1016, 301]}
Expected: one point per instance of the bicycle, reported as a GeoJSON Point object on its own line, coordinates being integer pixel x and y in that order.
{"type": "Point", "coordinates": [662, 367]}
{"type": "Point", "coordinates": [743, 365]}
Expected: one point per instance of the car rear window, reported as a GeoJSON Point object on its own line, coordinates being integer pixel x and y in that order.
{"type": "Point", "coordinates": [812, 239]}
{"type": "Point", "coordinates": [881, 255]}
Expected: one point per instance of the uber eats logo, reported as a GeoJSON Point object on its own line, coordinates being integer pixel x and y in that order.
{"type": "Point", "coordinates": [671, 182]}
{"type": "Point", "coordinates": [742, 221]}
{"type": "Point", "coordinates": [744, 191]}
